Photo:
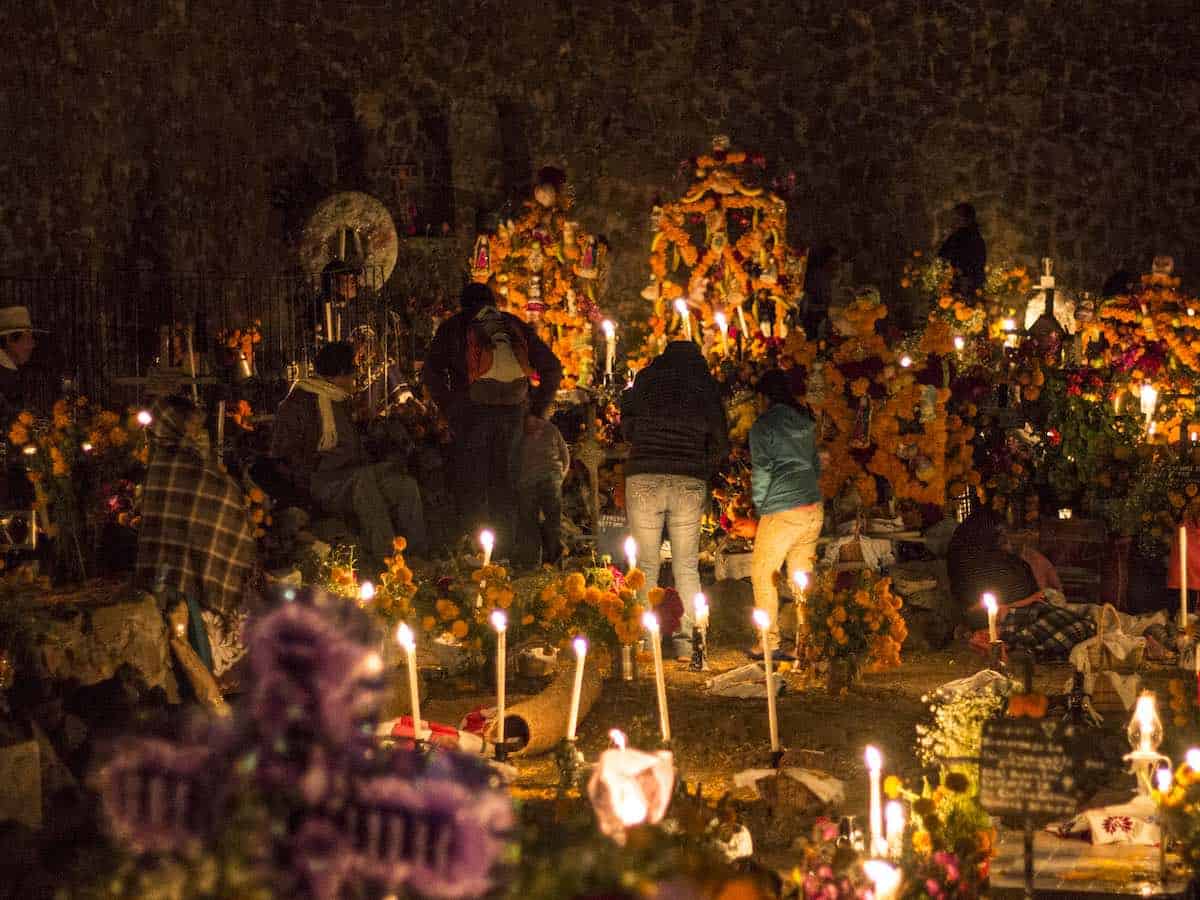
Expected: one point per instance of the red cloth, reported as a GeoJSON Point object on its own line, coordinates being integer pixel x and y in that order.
{"type": "Point", "coordinates": [439, 734]}
{"type": "Point", "coordinates": [1193, 560]}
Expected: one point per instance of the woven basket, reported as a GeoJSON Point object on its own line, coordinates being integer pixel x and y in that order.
{"type": "Point", "coordinates": [1105, 698]}
{"type": "Point", "coordinates": [1100, 658]}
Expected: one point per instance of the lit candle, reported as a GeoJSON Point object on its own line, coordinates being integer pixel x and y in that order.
{"type": "Point", "coordinates": [800, 580]}
{"type": "Point", "coordinates": [884, 877]}
{"type": "Point", "coordinates": [763, 621]}
{"type": "Point", "coordinates": [700, 604]}
{"type": "Point", "coordinates": [1183, 577]}
{"type": "Point", "coordinates": [959, 343]}
{"type": "Point", "coordinates": [1149, 400]}
{"type": "Point", "coordinates": [650, 621]}
{"type": "Point", "coordinates": [144, 418]}
{"type": "Point", "coordinates": [1145, 714]}
{"type": "Point", "coordinates": [631, 552]}
{"type": "Point", "coordinates": [328, 322]}
{"type": "Point", "coordinates": [500, 623]}
{"type": "Point", "coordinates": [723, 327]}
{"type": "Point", "coordinates": [610, 345]}
{"type": "Point", "coordinates": [366, 593]}
{"type": "Point", "coordinates": [1192, 758]}
{"type": "Point", "coordinates": [893, 818]}
{"type": "Point", "coordinates": [989, 603]}
{"type": "Point", "coordinates": [487, 540]}
{"type": "Point", "coordinates": [581, 645]}
{"type": "Point", "coordinates": [741, 320]}
{"type": "Point", "coordinates": [905, 361]}
{"type": "Point", "coordinates": [1162, 779]}
{"type": "Point", "coordinates": [874, 762]}
{"type": "Point", "coordinates": [404, 637]}
{"type": "Point", "coordinates": [192, 365]}
{"type": "Point", "coordinates": [681, 307]}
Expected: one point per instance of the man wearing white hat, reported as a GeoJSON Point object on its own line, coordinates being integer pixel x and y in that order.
{"type": "Point", "coordinates": [16, 346]}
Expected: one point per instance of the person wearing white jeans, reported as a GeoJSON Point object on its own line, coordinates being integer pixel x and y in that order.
{"type": "Point", "coordinates": [789, 536]}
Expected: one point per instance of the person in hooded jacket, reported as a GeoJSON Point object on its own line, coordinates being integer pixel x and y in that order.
{"type": "Point", "coordinates": [785, 475]}
{"type": "Point", "coordinates": [674, 421]}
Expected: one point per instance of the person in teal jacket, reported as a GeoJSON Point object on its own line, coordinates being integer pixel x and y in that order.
{"type": "Point", "coordinates": [786, 471]}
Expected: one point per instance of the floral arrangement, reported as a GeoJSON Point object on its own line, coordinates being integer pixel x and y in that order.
{"type": "Point", "coordinates": [722, 248]}
{"type": "Point", "coordinates": [855, 615]}
{"type": "Point", "coordinates": [931, 280]}
{"type": "Point", "coordinates": [1178, 806]}
{"type": "Point", "coordinates": [396, 588]}
{"type": "Point", "coordinates": [552, 273]}
{"type": "Point", "coordinates": [956, 731]}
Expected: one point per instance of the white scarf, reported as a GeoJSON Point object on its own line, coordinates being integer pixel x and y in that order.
{"type": "Point", "coordinates": [7, 361]}
{"type": "Point", "coordinates": [327, 394]}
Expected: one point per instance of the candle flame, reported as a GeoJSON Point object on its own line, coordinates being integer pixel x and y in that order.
{"type": "Point", "coordinates": [86, 446]}
{"type": "Point", "coordinates": [721, 321]}
{"type": "Point", "coordinates": [874, 759]}
{"type": "Point", "coordinates": [580, 644]}
{"type": "Point", "coordinates": [366, 592]}
{"type": "Point", "coordinates": [609, 328]}
{"type": "Point", "coordinates": [404, 636]}
{"type": "Point", "coordinates": [884, 876]}
{"type": "Point", "coordinates": [499, 619]}
{"type": "Point", "coordinates": [617, 736]}
{"type": "Point", "coordinates": [29, 450]}
{"type": "Point", "coordinates": [905, 361]}
{"type": "Point", "coordinates": [631, 551]}
{"type": "Point", "coordinates": [629, 803]}
{"type": "Point", "coordinates": [893, 815]}
{"type": "Point", "coordinates": [487, 540]}
{"type": "Point", "coordinates": [700, 603]}
{"type": "Point", "coordinates": [681, 307]}
{"type": "Point", "coordinates": [144, 418]}
{"type": "Point", "coordinates": [761, 619]}
{"type": "Point", "coordinates": [1162, 779]}
{"type": "Point", "coordinates": [650, 621]}
{"type": "Point", "coordinates": [801, 580]}
{"type": "Point", "coordinates": [959, 343]}
{"type": "Point", "coordinates": [989, 602]}
{"type": "Point", "coordinates": [1192, 758]}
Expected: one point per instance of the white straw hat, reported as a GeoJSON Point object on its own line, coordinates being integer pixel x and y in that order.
{"type": "Point", "coordinates": [14, 319]}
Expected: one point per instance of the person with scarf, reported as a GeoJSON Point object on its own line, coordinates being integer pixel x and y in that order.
{"type": "Point", "coordinates": [674, 421]}
{"type": "Point", "coordinates": [196, 540]}
{"type": "Point", "coordinates": [322, 453]}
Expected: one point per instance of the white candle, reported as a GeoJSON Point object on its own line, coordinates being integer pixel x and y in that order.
{"type": "Point", "coordinates": [874, 762]}
{"type": "Point", "coordinates": [800, 580]}
{"type": "Point", "coordinates": [989, 603]}
{"type": "Point", "coordinates": [404, 637]}
{"type": "Point", "coordinates": [959, 343]}
{"type": "Point", "coordinates": [192, 365]}
{"type": "Point", "coordinates": [700, 604]}
{"type": "Point", "coordinates": [610, 345]}
{"type": "Point", "coordinates": [893, 818]}
{"type": "Point", "coordinates": [487, 540]}
{"type": "Point", "coordinates": [765, 327]}
{"type": "Point", "coordinates": [631, 552]}
{"type": "Point", "coordinates": [885, 878]}
{"type": "Point", "coordinates": [681, 307]}
{"type": "Point", "coordinates": [742, 321]}
{"type": "Point", "coordinates": [581, 645]}
{"type": "Point", "coordinates": [328, 322]}
{"type": "Point", "coordinates": [220, 425]}
{"type": "Point", "coordinates": [1192, 758]}
{"type": "Point", "coordinates": [763, 621]}
{"type": "Point", "coordinates": [650, 621]}
{"type": "Point", "coordinates": [500, 623]}
{"type": "Point", "coordinates": [723, 327]}
{"type": "Point", "coordinates": [1183, 577]}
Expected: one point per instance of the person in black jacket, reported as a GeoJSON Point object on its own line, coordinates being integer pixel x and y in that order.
{"type": "Point", "coordinates": [674, 421]}
{"type": "Point", "coordinates": [480, 371]}
{"type": "Point", "coordinates": [966, 251]}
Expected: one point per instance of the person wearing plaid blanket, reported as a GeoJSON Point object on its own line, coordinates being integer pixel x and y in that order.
{"type": "Point", "coordinates": [196, 536]}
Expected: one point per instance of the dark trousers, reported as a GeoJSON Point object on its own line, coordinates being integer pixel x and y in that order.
{"type": "Point", "coordinates": [487, 439]}
{"type": "Point", "coordinates": [542, 500]}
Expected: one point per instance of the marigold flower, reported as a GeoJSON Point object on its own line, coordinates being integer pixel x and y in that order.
{"type": "Point", "coordinates": [459, 629]}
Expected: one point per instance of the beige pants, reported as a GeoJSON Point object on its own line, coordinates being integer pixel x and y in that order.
{"type": "Point", "coordinates": [789, 536]}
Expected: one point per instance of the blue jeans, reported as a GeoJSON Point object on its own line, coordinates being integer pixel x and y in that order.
{"type": "Point", "coordinates": [487, 441]}
{"type": "Point", "coordinates": [678, 501]}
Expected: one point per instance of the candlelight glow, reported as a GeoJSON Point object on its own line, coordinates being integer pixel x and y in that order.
{"type": "Point", "coordinates": [628, 802]}
{"type": "Point", "coordinates": [617, 736]}
{"type": "Point", "coordinates": [1162, 779]}
{"type": "Point", "coordinates": [650, 621]}
{"type": "Point", "coordinates": [893, 815]}
{"type": "Point", "coordinates": [989, 603]}
{"type": "Point", "coordinates": [86, 446]}
{"type": "Point", "coordinates": [761, 619]}
{"type": "Point", "coordinates": [631, 551]}
{"type": "Point", "coordinates": [884, 876]}
{"type": "Point", "coordinates": [499, 619]}
{"type": "Point", "coordinates": [873, 758]}
{"type": "Point", "coordinates": [404, 636]}
{"type": "Point", "coordinates": [1009, 324]}
{"type": "Point", "coordinates": [366, 592]}
{"type": "Point", "coordinates": [700, 604]}
{"type": "Point", "coordinates": [959, 342]}
{"type": "Point", "coordinates": [1145, 730]}
{"type": "Point", "coordinates": [580, 644]}
{"type": "Point", "coordinates": [681, 307]}
{"type": "Point", "coordinates": [144, 418]}
{"type": "Point", "coordinates": [1192, 758]}
{"type": "Point", "coordinates": [1149, 399]}
{"type": "Point", "coordinates": [801, 580]}
{"type": "Point", "coordinates": [29, 450]}
{"type": "Point", "coordinates": [722, 322]}
{"type": "Point", "coordinates": [609, 328]}
{"type": "Point", "coordinates": [487, 540]}
{"type": "Point", "coordinates": [905, 361]}
{"type": "Point", "coordinates": [373, 664]}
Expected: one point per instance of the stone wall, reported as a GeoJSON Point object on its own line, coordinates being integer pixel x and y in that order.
{"type": "Point", "coordinates": [196, 135]}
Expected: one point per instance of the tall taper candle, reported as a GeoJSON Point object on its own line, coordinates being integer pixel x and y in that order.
{"type": "Point", "coordinates": [631, 553]}
{"type": "Point", "coordinates": [763, 621]}
{"type": "Point", "coordinates": [989, 603]}
{"type": "Point", "coordinates": [610, 345]}
{"type": "Point", "coordinates": [500, 623]}
{"type": "Point", "coordinates": [487, 540]}
{"type": "Point", "coordinates": [874, 762]}
{"type": "Point", "coordinates": [1183, 577]}
{"type": "Point", "coordinates": [404, 637]}
{"type": "Point", "coordinates": [581, 646]}
{"type": "Point", "coordinates": [650, 621]}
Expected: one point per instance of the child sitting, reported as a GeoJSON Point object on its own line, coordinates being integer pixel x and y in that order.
{"type": "Point", "coordinates": [541, 470]}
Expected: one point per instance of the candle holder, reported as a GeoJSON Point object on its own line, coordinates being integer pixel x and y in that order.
{"type": "Point", "coordinates": [997, 657]}
{"type": "Point", "coordinates": [699, 661]}
{"type": "Point", "coordinates": [501, 751]}
{"type": "Point", "coordinates": [570, 763]}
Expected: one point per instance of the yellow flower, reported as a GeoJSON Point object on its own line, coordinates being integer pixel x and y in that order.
{"type": "Point", "coordinates": [428, 622]}
{"type": "Point", "coordinates": [459, 629]}
{"type": "Point", "coordinates": [26, 418]}
{"type": "Point", "coordinates": [892, 786]}
{"type": "Point", "coordinates": [839, 614]}
{"type": "Point", "coordinates": [399, 544]}
{"type": "Point", "coordinates": [635, 580]}
{"type": "Point", "coordinates": [922, 842]}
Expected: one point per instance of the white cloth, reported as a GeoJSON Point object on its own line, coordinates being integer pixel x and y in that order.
{"type": "Point", "coordinates": [1135, 822]}
{"type": "Point", "coordinates": [327, 394]}
{"type": "Point", "coordinates": [745, 682]}
{"type": "Point", "coordinates": [7, 361]}
{"type": "Point", "coordinates": [824, 787]}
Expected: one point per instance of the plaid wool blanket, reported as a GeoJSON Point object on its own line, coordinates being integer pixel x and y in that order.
{"type": "Point", "coordinates": [1046, 631]}
{"type": "Point", "coordinates": [196, 535]}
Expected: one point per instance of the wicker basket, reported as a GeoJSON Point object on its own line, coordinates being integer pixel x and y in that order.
{"type": "Point", "coordinates": [1100, 658]}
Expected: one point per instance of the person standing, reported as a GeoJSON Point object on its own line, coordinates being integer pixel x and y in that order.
{"type": "Point", "coordinates": [966, 250]}
{"type": "Point", "coordinates": [818, 290]}
{"type": "Point", "coordinates": [674, 421]}
{"type": "Point", "coordinates": [542, 469]}
{"type": "Point", "coordinates": [785, 479]}
{"type": "Point", "coordinates": [16, 347]}
{"type": "Point", "coordinates": [487, 371]}
{"type": "Point", "coordinates": [321, 450]}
